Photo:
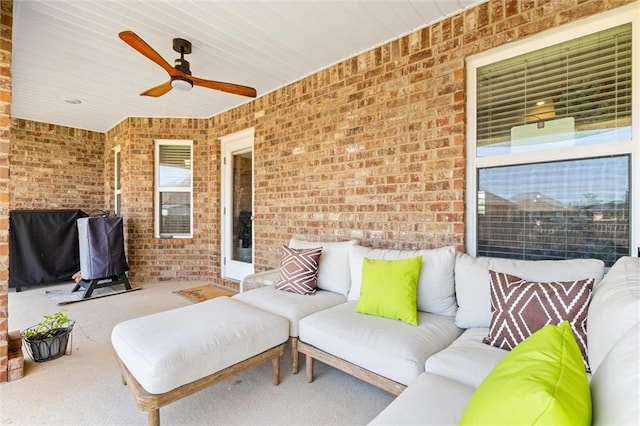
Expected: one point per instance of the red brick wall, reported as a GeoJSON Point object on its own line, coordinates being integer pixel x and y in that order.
{"type": "Point", "coordinates": [56, 167]}
{"type": "Point", "coordinates": [372, 148]}
{"type": "Point", "coordinates": [6, 24]}
{"type": "Point", "coordinates": [152, 259]}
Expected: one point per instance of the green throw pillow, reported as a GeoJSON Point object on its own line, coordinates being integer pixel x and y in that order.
{"type": "Point", "coordinates": [390, 288]}
{"type": "Point", "coordinates": [541, 381]}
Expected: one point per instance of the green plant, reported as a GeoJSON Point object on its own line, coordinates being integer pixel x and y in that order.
{"type": "Point", "coordinates": [48, 327]}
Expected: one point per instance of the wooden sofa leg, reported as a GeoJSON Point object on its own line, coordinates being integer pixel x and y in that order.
{"type": "Point", "coordinates": [295, 356]}
{"type": "Point", "coordinates": [275, 370]}
{"type": "Point", "coordinates": [309, 364]}
{"type": "Point", "coordinates": [153, 418]}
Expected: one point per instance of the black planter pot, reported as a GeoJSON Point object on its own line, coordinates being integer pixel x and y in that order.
{"type": "Point", "coordinates": [48, 348]}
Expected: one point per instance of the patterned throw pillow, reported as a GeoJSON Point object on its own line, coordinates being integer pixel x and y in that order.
{"type": "Point", "coordinates": [299, 270]}
{"type": "Point", "coordinates": [519, 308]}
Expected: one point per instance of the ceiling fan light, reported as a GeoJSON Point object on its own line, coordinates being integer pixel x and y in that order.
{"type": "Point", "coordinates": [180, 83]}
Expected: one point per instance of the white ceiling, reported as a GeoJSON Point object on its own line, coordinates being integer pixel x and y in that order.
{"type": "Point", "coordinates": [69, 49]}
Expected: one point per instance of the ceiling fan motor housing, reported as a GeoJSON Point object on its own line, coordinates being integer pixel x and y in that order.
{"type": "Point", "coordinates": [183, 65]}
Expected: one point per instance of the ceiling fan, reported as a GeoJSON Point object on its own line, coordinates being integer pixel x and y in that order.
{"type": "Point", "coordinates": [180, 74]}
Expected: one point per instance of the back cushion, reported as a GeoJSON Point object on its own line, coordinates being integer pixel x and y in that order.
{"type": "Point", "coordinates": [436, 292]}
{"type": "Point", "coordinates": [614, 386]}
{"type": "Point", "coordinates": [472, 282]}
{"type": "Point", "coordinates": [333, 267]}
{"type": "Point", "coordinates": [615, 307]}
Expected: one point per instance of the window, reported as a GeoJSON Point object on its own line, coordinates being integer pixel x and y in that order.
{"type": "Point", "coordinates": [117, 187]}
{"type": "Point", "coordinates": [173, 195]}
{"type": "Point", "coordinates": [552, 147]}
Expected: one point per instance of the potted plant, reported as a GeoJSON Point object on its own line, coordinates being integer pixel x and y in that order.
{"type": "Point", "coordinates": [49, 339]}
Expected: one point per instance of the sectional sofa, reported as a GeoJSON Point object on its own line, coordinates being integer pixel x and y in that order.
{"type": "Point", "coordinates": [437, 365]}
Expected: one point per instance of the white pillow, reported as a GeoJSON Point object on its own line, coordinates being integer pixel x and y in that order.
{"type": "Point", "coordinates": [472, 280]}
{"type": "Point", "coordinates": [436, 293]}
{"type": "Point", "coordinates": [333, 267]}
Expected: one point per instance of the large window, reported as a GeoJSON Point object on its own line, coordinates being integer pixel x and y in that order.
{"type": "Point", "coordinates": [173, 198]}
{"type": "Point", "coordinates": [553, 150]}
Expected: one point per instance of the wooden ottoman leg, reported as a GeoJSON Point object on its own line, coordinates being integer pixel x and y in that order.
{"type": "Point", "coordinates": [309, 364]}
{"type": "Point", "coordinates": [275, 370]}
{"type": "Point", "coordinates": [295, 355]}
{"type": "Point", "coordinates": [153, 417]}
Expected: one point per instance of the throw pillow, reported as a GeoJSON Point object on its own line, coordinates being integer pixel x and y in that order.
{"type": "Point", "coordinates": [390, 289]}
{"type": "Point", "coordinates": [299, 270]}
{"type": "Point", "coordinates": [541, 381]}
{"type": "Point", "coordinates": [520, 308]}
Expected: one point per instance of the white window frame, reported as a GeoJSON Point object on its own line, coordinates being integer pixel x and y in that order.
{"type": "Point", "coordinates": [593, 24]}
{"type": "Point", "coordinates": [117, 174]}
{"type": "Point", "coordinates": [159, 189]}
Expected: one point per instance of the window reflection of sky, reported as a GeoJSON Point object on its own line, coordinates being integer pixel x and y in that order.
{"type": "Point", "coordinates": [174, 176]}
{"type": "Point", "coordinates": [572, 183]}
{"type": "Point", "coordinates": [582, 138]}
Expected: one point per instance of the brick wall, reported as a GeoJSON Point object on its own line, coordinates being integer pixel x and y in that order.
{"type": "Point", "coordinates": [152, 259]}
{"type": "Point", "coordinates": [6, 24]}
{"type": "Point", "coordinates": [56, 167]}
{"type": "Point", "coordinates": [372, 148]}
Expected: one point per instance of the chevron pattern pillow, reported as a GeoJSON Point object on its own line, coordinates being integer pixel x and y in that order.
{"type": "Point", "coordinates": [519, 308]}
{"type": "Point", "coordinates": [299, 270]}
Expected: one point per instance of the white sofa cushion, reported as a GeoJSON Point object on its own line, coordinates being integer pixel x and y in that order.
{"type": "Point", "coordinates": [429, 400]}
{"type": "Point", "coordinates": [436, 291]}
{"type": "Point", "coordinates": [290, 305]}
{"type": "Point", "coordinates": [615, 307]}
{"type": "Point", "coordinates": [467, 360]}
{"type": "Point", "coordinates": [333, 267]}
{"type": "Point", "coordinates": [615, 386]}
{"type": "Point", "coordinates": [472, 284]}
{"type": "Point", "coordinates": [171, 348]}
{"type": "Point", "coordinates": [390, 348]}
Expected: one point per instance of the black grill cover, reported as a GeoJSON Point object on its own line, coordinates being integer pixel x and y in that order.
{"type": "Point", "coordinates": [101, 240]}
{"type": "Point", "coordinates": [43, 246]}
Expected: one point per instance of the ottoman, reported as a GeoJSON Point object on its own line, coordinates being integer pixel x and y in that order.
{"type": "Point", "coordinates": [169, 355]}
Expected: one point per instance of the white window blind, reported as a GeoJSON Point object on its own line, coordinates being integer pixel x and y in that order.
{"type": "Point", "coordinates": [579, 91]}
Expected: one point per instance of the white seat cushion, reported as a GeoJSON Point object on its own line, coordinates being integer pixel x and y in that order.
{"type": "Point", "coordinates": [429, 400]}
{"type": "Point", "coordinates": [291, 306]}
{"type": "Point", "coordinates": [169, 349]}
{"type": "Point", "coordinates": [390, 348]}
{"type": "Point", "coordinates": [467, 360]}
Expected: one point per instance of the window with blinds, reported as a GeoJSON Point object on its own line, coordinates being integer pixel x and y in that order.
{"type": "Point", "coordinates": [573, 93]}
{"type": "Point", "coordinates": [173, 189]}
{"type": "Point", "coordinates": [555, 210]}
{"type": "Point", "coordinates": [552, 132]}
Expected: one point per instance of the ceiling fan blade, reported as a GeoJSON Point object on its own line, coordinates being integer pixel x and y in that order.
{"type": "Point", "coordinates": [236, 89]}
{"type": "Point", "coordinates": [158, 90]}
{"type": "Point", "coordinates": [133, 40]}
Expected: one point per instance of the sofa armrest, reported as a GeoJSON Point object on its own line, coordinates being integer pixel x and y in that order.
{"type": "Point", "coordinates": [259, 279]}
